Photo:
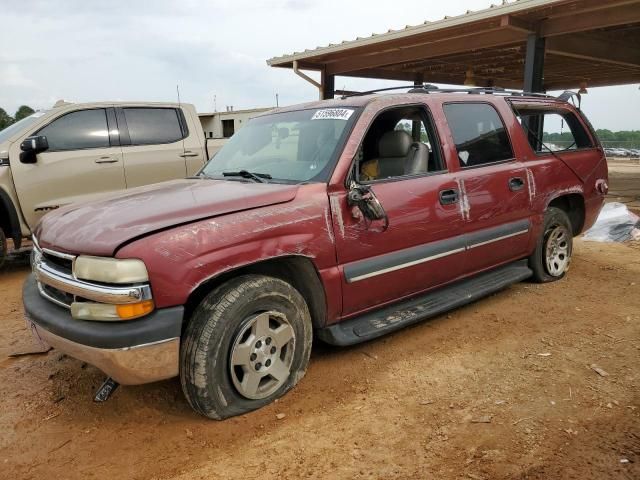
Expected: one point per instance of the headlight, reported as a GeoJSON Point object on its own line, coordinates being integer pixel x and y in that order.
{"type": "Point", "coordinates": [110, 270]}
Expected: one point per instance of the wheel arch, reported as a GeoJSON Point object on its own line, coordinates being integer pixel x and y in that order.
{"type": "Point", "coordinates": [299, 271]}
{"type": "Point", "coordinates": [573, 205]}
{"type": "Point", "coordinates": [9, 221]}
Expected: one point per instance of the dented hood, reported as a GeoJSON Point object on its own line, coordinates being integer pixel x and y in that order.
{"type": "Point", "coordinates": [100, 227]}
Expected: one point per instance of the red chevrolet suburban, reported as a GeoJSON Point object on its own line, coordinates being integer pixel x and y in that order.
{"type": "Point", "coordinates": [342, 220]}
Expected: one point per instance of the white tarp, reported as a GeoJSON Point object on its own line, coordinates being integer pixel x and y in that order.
{"type": "Point", "coordinates": [614, 224]}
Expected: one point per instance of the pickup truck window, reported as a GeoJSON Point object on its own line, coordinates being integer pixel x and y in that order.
{"type": "Point", "coordinates": [297, 146]}
{"type": "Point", "coordinates": [77, 131]}
{"type": "Point", "coordinates": [561, 129]}
{"type": "Point", "coordinates": [478, 132]}
{"type": "Point", "coordinates": [400, 142]}
{"type": "Point", "coordinates": [20, 125]}
{"type": "Point", "coordinates": [149, 126]}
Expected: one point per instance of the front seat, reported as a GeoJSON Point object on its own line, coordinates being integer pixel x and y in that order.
{"type": "Point", "coordinates": [399, 155]}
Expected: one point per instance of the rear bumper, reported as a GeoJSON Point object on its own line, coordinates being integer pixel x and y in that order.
{"type": "Point", "coordinates": [131, 352]}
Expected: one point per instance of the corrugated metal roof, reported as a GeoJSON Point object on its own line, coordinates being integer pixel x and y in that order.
{"type": "Point", "coordinates": [507, 7]}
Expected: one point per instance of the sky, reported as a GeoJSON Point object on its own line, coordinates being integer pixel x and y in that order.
{"type": "Point", "coordinates": [86, 50]}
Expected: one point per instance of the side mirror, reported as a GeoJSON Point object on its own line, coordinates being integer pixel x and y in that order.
{"type": "Point", "coordinates": [31, 146]}
{"type": "Point", "coordinates": [362, 196]}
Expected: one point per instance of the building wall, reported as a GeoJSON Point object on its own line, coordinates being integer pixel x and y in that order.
{"type": "Point", "coordinates": [212, 122]}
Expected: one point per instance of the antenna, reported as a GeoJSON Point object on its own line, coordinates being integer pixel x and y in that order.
{"type": "Point", "coordinates": [183, 128]}
{"type": "Point", "coordinates": [277, 104]}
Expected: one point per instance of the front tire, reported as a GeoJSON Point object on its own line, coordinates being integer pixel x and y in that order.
{"type": "Point", "coordinates": [247, 343]}
{"type": "Point", "coordinates": [552, 256]}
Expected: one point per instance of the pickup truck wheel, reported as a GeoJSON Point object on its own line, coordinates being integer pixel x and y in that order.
{"type": "Point", "coordinates": [3, 248]}
{"type": "Point", "coordinates": [247, 343]}
{"type": "Point", "coordinates": [552, 256]}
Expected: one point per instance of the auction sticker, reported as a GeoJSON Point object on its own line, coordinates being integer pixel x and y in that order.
{"type": "Point", "coordinates": [332, 114]}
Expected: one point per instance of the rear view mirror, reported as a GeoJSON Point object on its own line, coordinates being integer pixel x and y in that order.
{"type": "Point", "coordinates": [283, 133]}
{"type": "Point", "coordinates": [31, 146]}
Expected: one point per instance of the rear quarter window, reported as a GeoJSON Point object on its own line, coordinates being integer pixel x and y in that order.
{"type": "Point", "coordinates": [478, 132]}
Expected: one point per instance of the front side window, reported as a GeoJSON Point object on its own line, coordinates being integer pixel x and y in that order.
{"type": "Point", "coordinates": [148, 126]}
{"type": "Point", "coordinates": [78, 130]}
{"type": "Point", "coordinates": [552, 129]}
{"type": "Point", "coordinates": [478, 132]}
{"type": "Point", "coordinates": [297, 146]}
{"type": "Point", "coordinates": [400, 142]}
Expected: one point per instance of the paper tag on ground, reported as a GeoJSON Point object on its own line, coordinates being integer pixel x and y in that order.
{"type": "Point", "coordinates": [332, 114]}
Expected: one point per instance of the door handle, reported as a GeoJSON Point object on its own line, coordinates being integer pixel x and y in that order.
{"type": "Point", "coordinates": [106, 160]}
{"type": "Point", "coordinates": [449, 196]}
{"type": "Point", "coordinates": [189, 154]}
{"type": "Point", "coordinates": [515, 184]}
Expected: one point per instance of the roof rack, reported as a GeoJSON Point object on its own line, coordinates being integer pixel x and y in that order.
{"type": "Point", "coordinates": [429, 88]}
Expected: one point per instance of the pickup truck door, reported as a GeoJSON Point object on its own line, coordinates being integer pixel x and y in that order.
{"type": "Point", "coordinates": [154, 144]}
{"type": "Point", "coordinates": [83, 162]}
{"type": "Point", "coordinates": [493, 185]}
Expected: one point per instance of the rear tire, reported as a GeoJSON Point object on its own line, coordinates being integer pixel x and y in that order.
{"type": "Point", "coordinates": [552, 256]}
{"type": "Point", "coordinates": [247, 343]}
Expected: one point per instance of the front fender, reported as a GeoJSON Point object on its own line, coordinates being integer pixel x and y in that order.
{"type": "Point", "coordinates": [181, 259]}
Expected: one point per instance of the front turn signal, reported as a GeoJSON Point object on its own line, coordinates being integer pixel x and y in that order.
{"type": "Point", "coordinates": [134, 310]}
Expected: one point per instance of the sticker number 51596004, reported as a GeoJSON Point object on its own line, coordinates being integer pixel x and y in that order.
{"type": "Point", "coordinates": [332, 114]}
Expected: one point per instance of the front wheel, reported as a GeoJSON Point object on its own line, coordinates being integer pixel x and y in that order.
{"type": "Point", "coordinates": [247, 343]}
{"type": "Point", "coordinates": [552, 256]}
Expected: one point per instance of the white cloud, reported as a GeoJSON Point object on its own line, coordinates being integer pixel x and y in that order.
{"type": "Point", "coordinates": [122, 49]}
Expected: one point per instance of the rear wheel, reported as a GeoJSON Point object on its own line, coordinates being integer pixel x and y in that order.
{"type": "Point", "coordinates": [247, 343]}
{"type": "Point", "coordinates": [552, 256]}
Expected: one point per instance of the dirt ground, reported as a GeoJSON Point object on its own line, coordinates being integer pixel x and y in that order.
{"type": "Point", "coordinates": [506, 388]}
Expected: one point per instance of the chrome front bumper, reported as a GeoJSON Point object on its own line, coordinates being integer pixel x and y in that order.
{"type": "Point", "coordinates": [132, 352]}
{"type": "Point", "coordinates": [129, 366]}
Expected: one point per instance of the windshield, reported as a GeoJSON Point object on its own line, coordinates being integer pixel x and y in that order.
{"type": "Point", "coordinates": [297, 146]}
{"type": "Point", "coordinates": [19, 125]}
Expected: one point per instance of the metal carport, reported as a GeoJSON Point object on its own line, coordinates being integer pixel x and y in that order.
{"type": "Point", "coordinates": [535, 45]}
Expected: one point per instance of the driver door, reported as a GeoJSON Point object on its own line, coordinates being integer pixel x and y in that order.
{"type": "Point", "coordinates": [83, 162]}
{"type": "Point", "coordinates": [421, 247]}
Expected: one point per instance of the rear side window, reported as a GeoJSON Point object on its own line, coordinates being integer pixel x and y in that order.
{"type": "Point", "coordinates": [78, 130]}
{"type": "Point", "coordinates": [153, 125]}
{"type": "Point", "coordinates": [552, 129]}
{"type": "Point", "coordinates": [478, 132]}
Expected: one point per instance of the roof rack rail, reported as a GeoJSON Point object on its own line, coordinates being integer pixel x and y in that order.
{"type": "Point", "coordinates": [429, 88]}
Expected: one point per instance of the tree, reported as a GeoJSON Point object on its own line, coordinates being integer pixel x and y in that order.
{"type": "Point", "coordinates": [23, 112]}
{"type": "Point", "coordinates": [5, 119]}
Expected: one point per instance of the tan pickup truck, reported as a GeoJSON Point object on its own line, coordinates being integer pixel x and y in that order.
{"type": "Point", "coordinates": [78, 152]}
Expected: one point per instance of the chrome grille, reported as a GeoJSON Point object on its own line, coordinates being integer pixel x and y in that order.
{"type": "Point", "coordinates": [57, 283]}
{"type": "Point", "coordinates": [57, 262]}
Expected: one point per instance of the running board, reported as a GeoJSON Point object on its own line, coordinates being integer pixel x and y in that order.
{"type": "Point", "coordinates": [394, 317]}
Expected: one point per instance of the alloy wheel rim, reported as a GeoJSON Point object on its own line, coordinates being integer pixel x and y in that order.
{"type": "Point", "coordinates": [261, 355]}
{"type": "Point", "coordinates": [557, 251]}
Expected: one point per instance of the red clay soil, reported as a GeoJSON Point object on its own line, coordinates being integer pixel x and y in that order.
{"type": "Point", "coordinates": [506, 388]}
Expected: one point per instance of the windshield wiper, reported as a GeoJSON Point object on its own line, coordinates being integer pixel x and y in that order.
{"type": "Point", "coordinates": [258, 177]}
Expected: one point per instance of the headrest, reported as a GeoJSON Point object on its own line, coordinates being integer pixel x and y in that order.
{"type": "Point", "coordinates": [395, 143]}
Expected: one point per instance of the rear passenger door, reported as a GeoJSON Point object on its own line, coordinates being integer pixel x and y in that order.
{"type": "Point", "coordinates": [493, 185]}
{"type": "Point", "coordinates": [152, 144]}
